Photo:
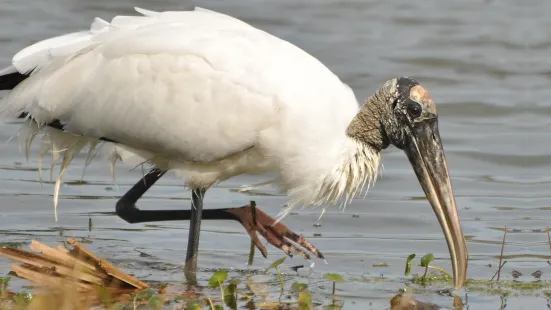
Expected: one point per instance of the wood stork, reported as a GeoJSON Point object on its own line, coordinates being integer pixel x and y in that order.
{"type": "Point", "coordinates": [209, 97]}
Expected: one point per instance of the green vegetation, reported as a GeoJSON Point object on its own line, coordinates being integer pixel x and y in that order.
{"type": "Point", "coordinates": [425, 262]}
{"type": "Point", "coordinates": [408, 264]}
{"type": "Point", "coordinates": [279, 275]}
{"type": "Point", "coordinates": [335, 278]}
{"type": "Point", "coordinates": [226, 292]}
{"type": "Point", "coordinates": [489, 287]}
{"type": "Point", "coordinates": [231, 292]}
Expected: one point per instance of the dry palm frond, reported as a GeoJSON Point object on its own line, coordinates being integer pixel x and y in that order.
{"type": "Point", "coordinates": [76, 272]}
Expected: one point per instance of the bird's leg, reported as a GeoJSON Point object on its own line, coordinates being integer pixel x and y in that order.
{"type": "Point", "coordinates": [126, 206]}
{"type": "Point", "coordinates": [253, 220]}
{"type": "Point", "coordinates": [127, 210]}
{"type": "Point", "coordinates": [190, 268]}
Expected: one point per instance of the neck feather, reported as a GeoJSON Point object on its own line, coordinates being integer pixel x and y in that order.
{"type": "Point", "coordinates": [357, 164]}
{"type": "Point", "coordinates": [368, 125]}
{"type": "Point", "coordinates": [355, 171]}
{"type": "Point", "coordinates": [352, 174]}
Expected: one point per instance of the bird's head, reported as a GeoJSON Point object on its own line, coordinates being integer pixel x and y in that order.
{"type": "Point", "coordinates": [403, 113]}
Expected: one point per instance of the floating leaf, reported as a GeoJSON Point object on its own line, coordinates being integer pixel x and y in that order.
{"type": "Point", "coordinates": [333, 277]}
{"type": "Point", "coordinates": [426, 260]}
{"type": "Point", "coordinates": [235, 281]}
{"type": "Point", "coordinates": [383, 264]}
{"type": "Point", "coordinates": [268, 305]}
{"type": "Point", "coordinates": [276, 263]}
{"type": "Point", "coordinates": [218, 278]}
{"type": "Point", "coordinates": [408, 264]}
{"type": "Point", "coordinates": [298, 286]}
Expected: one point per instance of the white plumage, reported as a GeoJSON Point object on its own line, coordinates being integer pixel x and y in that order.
{"type": "Point", "coordinates": [197, 92]}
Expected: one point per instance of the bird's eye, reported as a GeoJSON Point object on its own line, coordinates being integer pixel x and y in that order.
{"type": "Point", "coordinates": [414, 109]}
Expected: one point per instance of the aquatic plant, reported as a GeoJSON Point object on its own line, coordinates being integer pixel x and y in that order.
{"type": "Point", "coordinates": [221, 290]}
{"type": "Point", "coordinates": [275, 265]}
{"type": "Point", "coordinates": [408, 264]}
{"type": "Point", "coordinates": [217, 279]}
{"type": "Point", "coordinates": [425, 262]}
{"type": "Point", "coordinates": [335, 278]}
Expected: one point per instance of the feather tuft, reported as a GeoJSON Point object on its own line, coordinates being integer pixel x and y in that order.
{"type": "Point", "coordinates": [92, 152]}
{"type": "Point", "coordinates": [61, 145]}
{"type": "Point", "coordinates": [341, 184]}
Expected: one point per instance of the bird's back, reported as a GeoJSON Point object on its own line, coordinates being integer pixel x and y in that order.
{"type": "Point", "coordinates": [192, 85]}
{"type": "Point", "coordinates": [192, 89]}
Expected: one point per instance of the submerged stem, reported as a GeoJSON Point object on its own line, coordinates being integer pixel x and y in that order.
{"type": "Point", "coordinates": [221, 292]}
{"type": "Point", "coordinates": [435, 268]}
{"type": "Point", "coordinates": [334, 288]}
{"type": "Point", "coordinates": [280, 276]}
{"type": "Point", "coordinates": [211, 304]}
{"type": "Point", "coordinates": [441, 270]}
{"type": "Point", "coordinates": [501, 255]}
{"type": "Point", "coordinates": [549, 237]}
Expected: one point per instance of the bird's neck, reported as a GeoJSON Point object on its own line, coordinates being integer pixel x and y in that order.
{"type": "Point", "coordinates": [368, 125]}
{"type": "Point", "coordinates": [354, 166]}
{"type": "Point", "coordinates": [355, 170]}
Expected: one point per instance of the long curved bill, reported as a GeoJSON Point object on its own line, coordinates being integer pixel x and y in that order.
{"type": "Point", "coordinates": [426, 155]}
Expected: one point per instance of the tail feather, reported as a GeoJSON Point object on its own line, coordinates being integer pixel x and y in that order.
{"type": "Point", "coordinates": [11, 80]}
{"type": "Point", "coordinates": [61, 145]}
{"type": "Point", "coordinates": [57, 141]}
{"type": "Point", "coordinates": [56, 124]}
{"type": "Point", "coordinates": [65, 146]}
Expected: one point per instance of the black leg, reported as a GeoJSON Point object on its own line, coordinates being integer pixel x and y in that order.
{"type": "Point", "coordinates": [127, 210]}
{"type": "Point", "coordinates": [194, 232]}
{"type": "Point", "coordinates": [253, 221]}
{"type": "Point", "coordinates": [126, 206]}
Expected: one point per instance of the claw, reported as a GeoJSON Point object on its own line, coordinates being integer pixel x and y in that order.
{"type": "Point", "coordinates": [255, 221]}
{"type": "Point", "coordinates": [288, 245]}
{"type": "Point", "coordinates": [286, 249]}
{"type": "Point", "coordinates": [295, 250]}
{"type": "Point", "coordinates": [307, 245]}
{"type": "Point", "coordinates": [257, 243]}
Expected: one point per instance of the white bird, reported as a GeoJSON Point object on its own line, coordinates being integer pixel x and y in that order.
{"type": "Point", "coordinates": [210, 97]}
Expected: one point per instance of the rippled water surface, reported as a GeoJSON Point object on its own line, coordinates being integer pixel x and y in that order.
{"type": "Point", "coordinates": [487, 65]}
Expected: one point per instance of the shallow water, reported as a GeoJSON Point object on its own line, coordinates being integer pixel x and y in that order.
{"type": "Point", "coordinates": [487, 66]}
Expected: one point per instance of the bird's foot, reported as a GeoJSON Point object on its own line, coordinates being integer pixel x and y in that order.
{"type": "Point", "coordinates": [279, 235]}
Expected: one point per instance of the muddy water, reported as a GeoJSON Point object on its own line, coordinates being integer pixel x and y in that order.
{"type": "Point", "coordinates": [487, 66]}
